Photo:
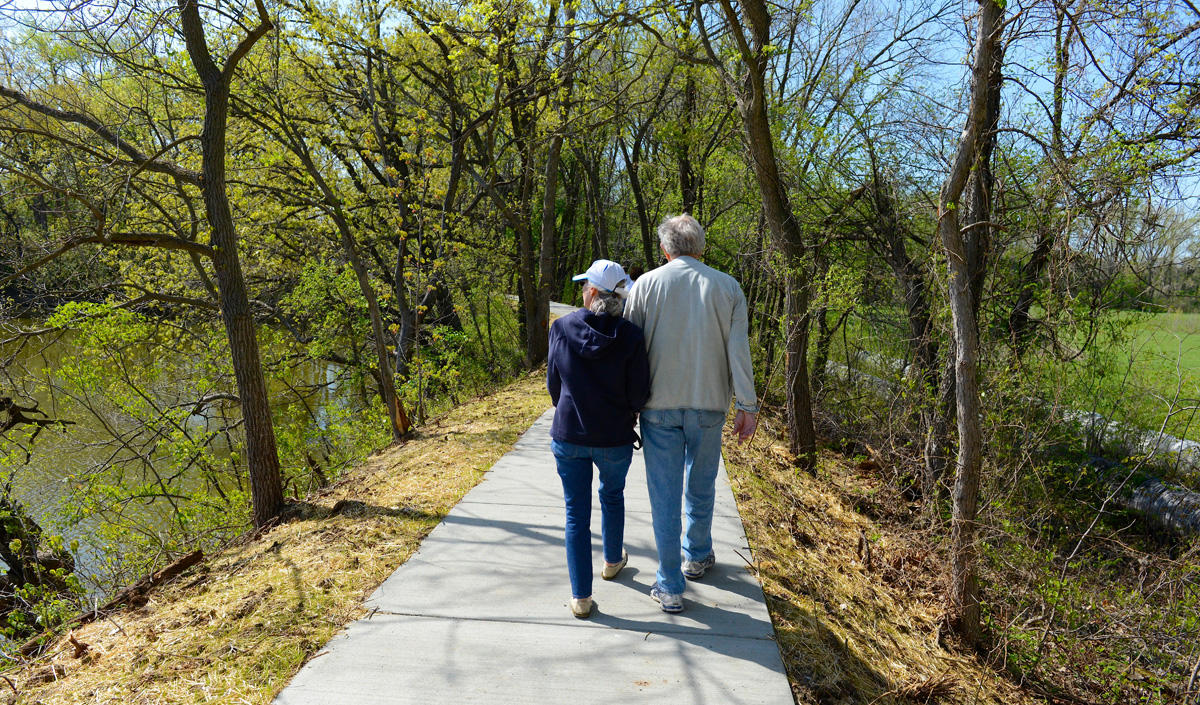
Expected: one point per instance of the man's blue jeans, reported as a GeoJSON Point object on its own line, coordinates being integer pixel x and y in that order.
{"type": "Point", "coordinates": [682, 448]}
{"type": "Point", "coordinates": [575, 468]}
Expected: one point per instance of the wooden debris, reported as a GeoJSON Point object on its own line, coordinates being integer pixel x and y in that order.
{"type": "Point", "coordinates": [80, 647]}
{"type": "Point", "coordinates": [135, 595]}
{"type": "Point", "coordinates": [928, 690]}
{"type": "Point", "coordinates": [49, 674]}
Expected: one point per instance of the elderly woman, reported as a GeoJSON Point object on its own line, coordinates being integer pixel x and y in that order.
{"type": "Point", "coordinates": [598, 377]}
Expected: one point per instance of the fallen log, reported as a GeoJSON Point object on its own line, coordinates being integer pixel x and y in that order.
{"type": "Point", "coordinates": [133, 596]}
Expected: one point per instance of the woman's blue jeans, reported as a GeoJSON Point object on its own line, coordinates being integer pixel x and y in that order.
{"type": "Point", "coordinates": [682, 448]}
{"type": "Point", "coordinates": [575, 468]}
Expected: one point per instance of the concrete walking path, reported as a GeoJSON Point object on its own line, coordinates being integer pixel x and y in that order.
{"type": "Point", "coordinates": [479, 614]}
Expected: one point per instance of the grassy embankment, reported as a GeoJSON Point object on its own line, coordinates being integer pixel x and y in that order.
{"type": "Point", "coordinates": [852, 630]}
{"type": "Point", "coordinates": [1082, 598]}
{"type": "Point", "coordinates": [239, 627]}
{"type": "Point", "coordinates": [854, 590]}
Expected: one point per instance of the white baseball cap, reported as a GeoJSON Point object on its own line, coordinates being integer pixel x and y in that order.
{"type": "Point", "coordinates": [606, 275]}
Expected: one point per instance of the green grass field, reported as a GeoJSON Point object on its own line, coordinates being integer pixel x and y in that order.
{"type": "Point", "coordinates": [1168, 345]}
{"type": "Point", "coordinates": [1162, 357]}
{"type": "Point", "coordinates": [1143, 369]}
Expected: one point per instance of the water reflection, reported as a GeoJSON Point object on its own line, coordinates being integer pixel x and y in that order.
{"type": "Point", "coordinates": [161, 418]}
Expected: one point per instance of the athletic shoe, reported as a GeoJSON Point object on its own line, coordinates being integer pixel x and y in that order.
{"type": "Point", "coordinates": [611, 570]}
{"type": "Point", "coordinates": [694, 570]}
{"type": "Point", "coordinates": [668, 601]}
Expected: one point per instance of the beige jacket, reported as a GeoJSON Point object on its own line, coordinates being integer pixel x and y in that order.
{"type": "Point", "coordinates": [697, 336]}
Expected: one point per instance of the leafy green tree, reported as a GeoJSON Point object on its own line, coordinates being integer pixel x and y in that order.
{"type": "Point", "coordinates": [94, 136]}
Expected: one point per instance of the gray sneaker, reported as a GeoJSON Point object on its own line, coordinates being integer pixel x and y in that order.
{"type": "Point", "coordinates": [668, 601]}
{"type": "Point", "coordinates": [694, 570]}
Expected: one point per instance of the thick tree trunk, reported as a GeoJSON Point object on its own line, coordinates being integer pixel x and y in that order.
{"type": "Point", "coordinates": [788, 238]}
{"type": "Point", "coordinates": [262, 459]}
{"type": "Point", "coordinates": [263, 462]}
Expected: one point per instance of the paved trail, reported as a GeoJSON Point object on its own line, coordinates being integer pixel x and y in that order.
{"type": "Point", "coordinates": [479, 615]}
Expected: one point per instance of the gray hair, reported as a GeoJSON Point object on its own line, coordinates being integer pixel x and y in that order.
{"type": "Point", "coordinates": [609, 302]}
{"type": "Point", "coordinates": [681, 235]}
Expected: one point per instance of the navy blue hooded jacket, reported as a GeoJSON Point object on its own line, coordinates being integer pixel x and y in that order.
{"type": "Point", "coordinates": [599, 378]}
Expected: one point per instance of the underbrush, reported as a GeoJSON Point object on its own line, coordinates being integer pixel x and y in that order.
{"type": "Point", "coordinates": [853, 582]}
{"type": "Point", "coordinates": [1083, 600]}
{"type": "Point", "coordinates": [1088, 600]}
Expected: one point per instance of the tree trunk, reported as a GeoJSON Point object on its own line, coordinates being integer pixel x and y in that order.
{"type": "Point", "coordinates": [387, 384]}
{"type": "Point", "coordinates": [964, 587]}
{"type": "Point", "coordinates": [261, 455]}
{"type": "Point", "coordinates": [536, 334]}
{"type": "Point", "coordinates": [786, 233]}
{"type": "Point", "coordinates": [398, 419]}
{"type": "Point", "coordinates": [938, 420]}
{"type": "Point", "coordinates": [687, 174]}
{"type": "Point", "coordinates": [632, 164]}
{"type": "Point", "coordinates": [1020, 320]}
{"type": "Point", "coordinates": [801, 433]}
{"type": "Point", "coordinates": [592, 184]}
{"type": "Point", "coordinates": [549, 243]}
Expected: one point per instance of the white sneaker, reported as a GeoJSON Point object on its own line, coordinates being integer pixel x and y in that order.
{"type": "Point", "coordinates": [668, 601]}
{"type": "Point", "coordinates": [694, 570]}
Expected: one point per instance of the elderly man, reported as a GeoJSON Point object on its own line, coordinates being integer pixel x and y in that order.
{"type": "Point", "coordinates": [695, 325]}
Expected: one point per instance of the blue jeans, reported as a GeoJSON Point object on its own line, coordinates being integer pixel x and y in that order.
{"type": "Point", "coordinates": [575, 468]}
{"type": "Point", "coordinates": [683, 451]}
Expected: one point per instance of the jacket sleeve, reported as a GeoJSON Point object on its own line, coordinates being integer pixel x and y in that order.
{"type": "Point", "coordinates": [553, 381]}
{"type": "Point", "coordinates": [738, 351]}
{"type": "Point", "coordinates": [637, 375]}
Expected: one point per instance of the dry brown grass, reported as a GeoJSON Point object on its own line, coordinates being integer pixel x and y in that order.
{"type": "Point", "coordinates": [239, 627]}
{"type": "Point", "coordinates": [855, 600]}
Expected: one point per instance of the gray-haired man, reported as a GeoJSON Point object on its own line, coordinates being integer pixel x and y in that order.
{"type": "Point", "coordinates": [696, 329]}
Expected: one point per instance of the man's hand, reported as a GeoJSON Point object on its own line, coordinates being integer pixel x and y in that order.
{"type": "Point", "coordinates": [744, 424]}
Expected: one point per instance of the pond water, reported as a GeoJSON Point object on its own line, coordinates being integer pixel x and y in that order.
{"type": "Point", "coordinates": [187, 447]}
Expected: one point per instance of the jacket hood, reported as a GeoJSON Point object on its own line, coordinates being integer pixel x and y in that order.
{"type": "Point", "coordinates": [590, 335]}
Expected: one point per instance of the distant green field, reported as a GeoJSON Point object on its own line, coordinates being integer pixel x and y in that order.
{"type": "Point", "coordinates": [1168, 344]}
{"type": "Point", "coordinates": [1162, 355]}
{"type": "Point", "coordinates": [1143, 370]}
